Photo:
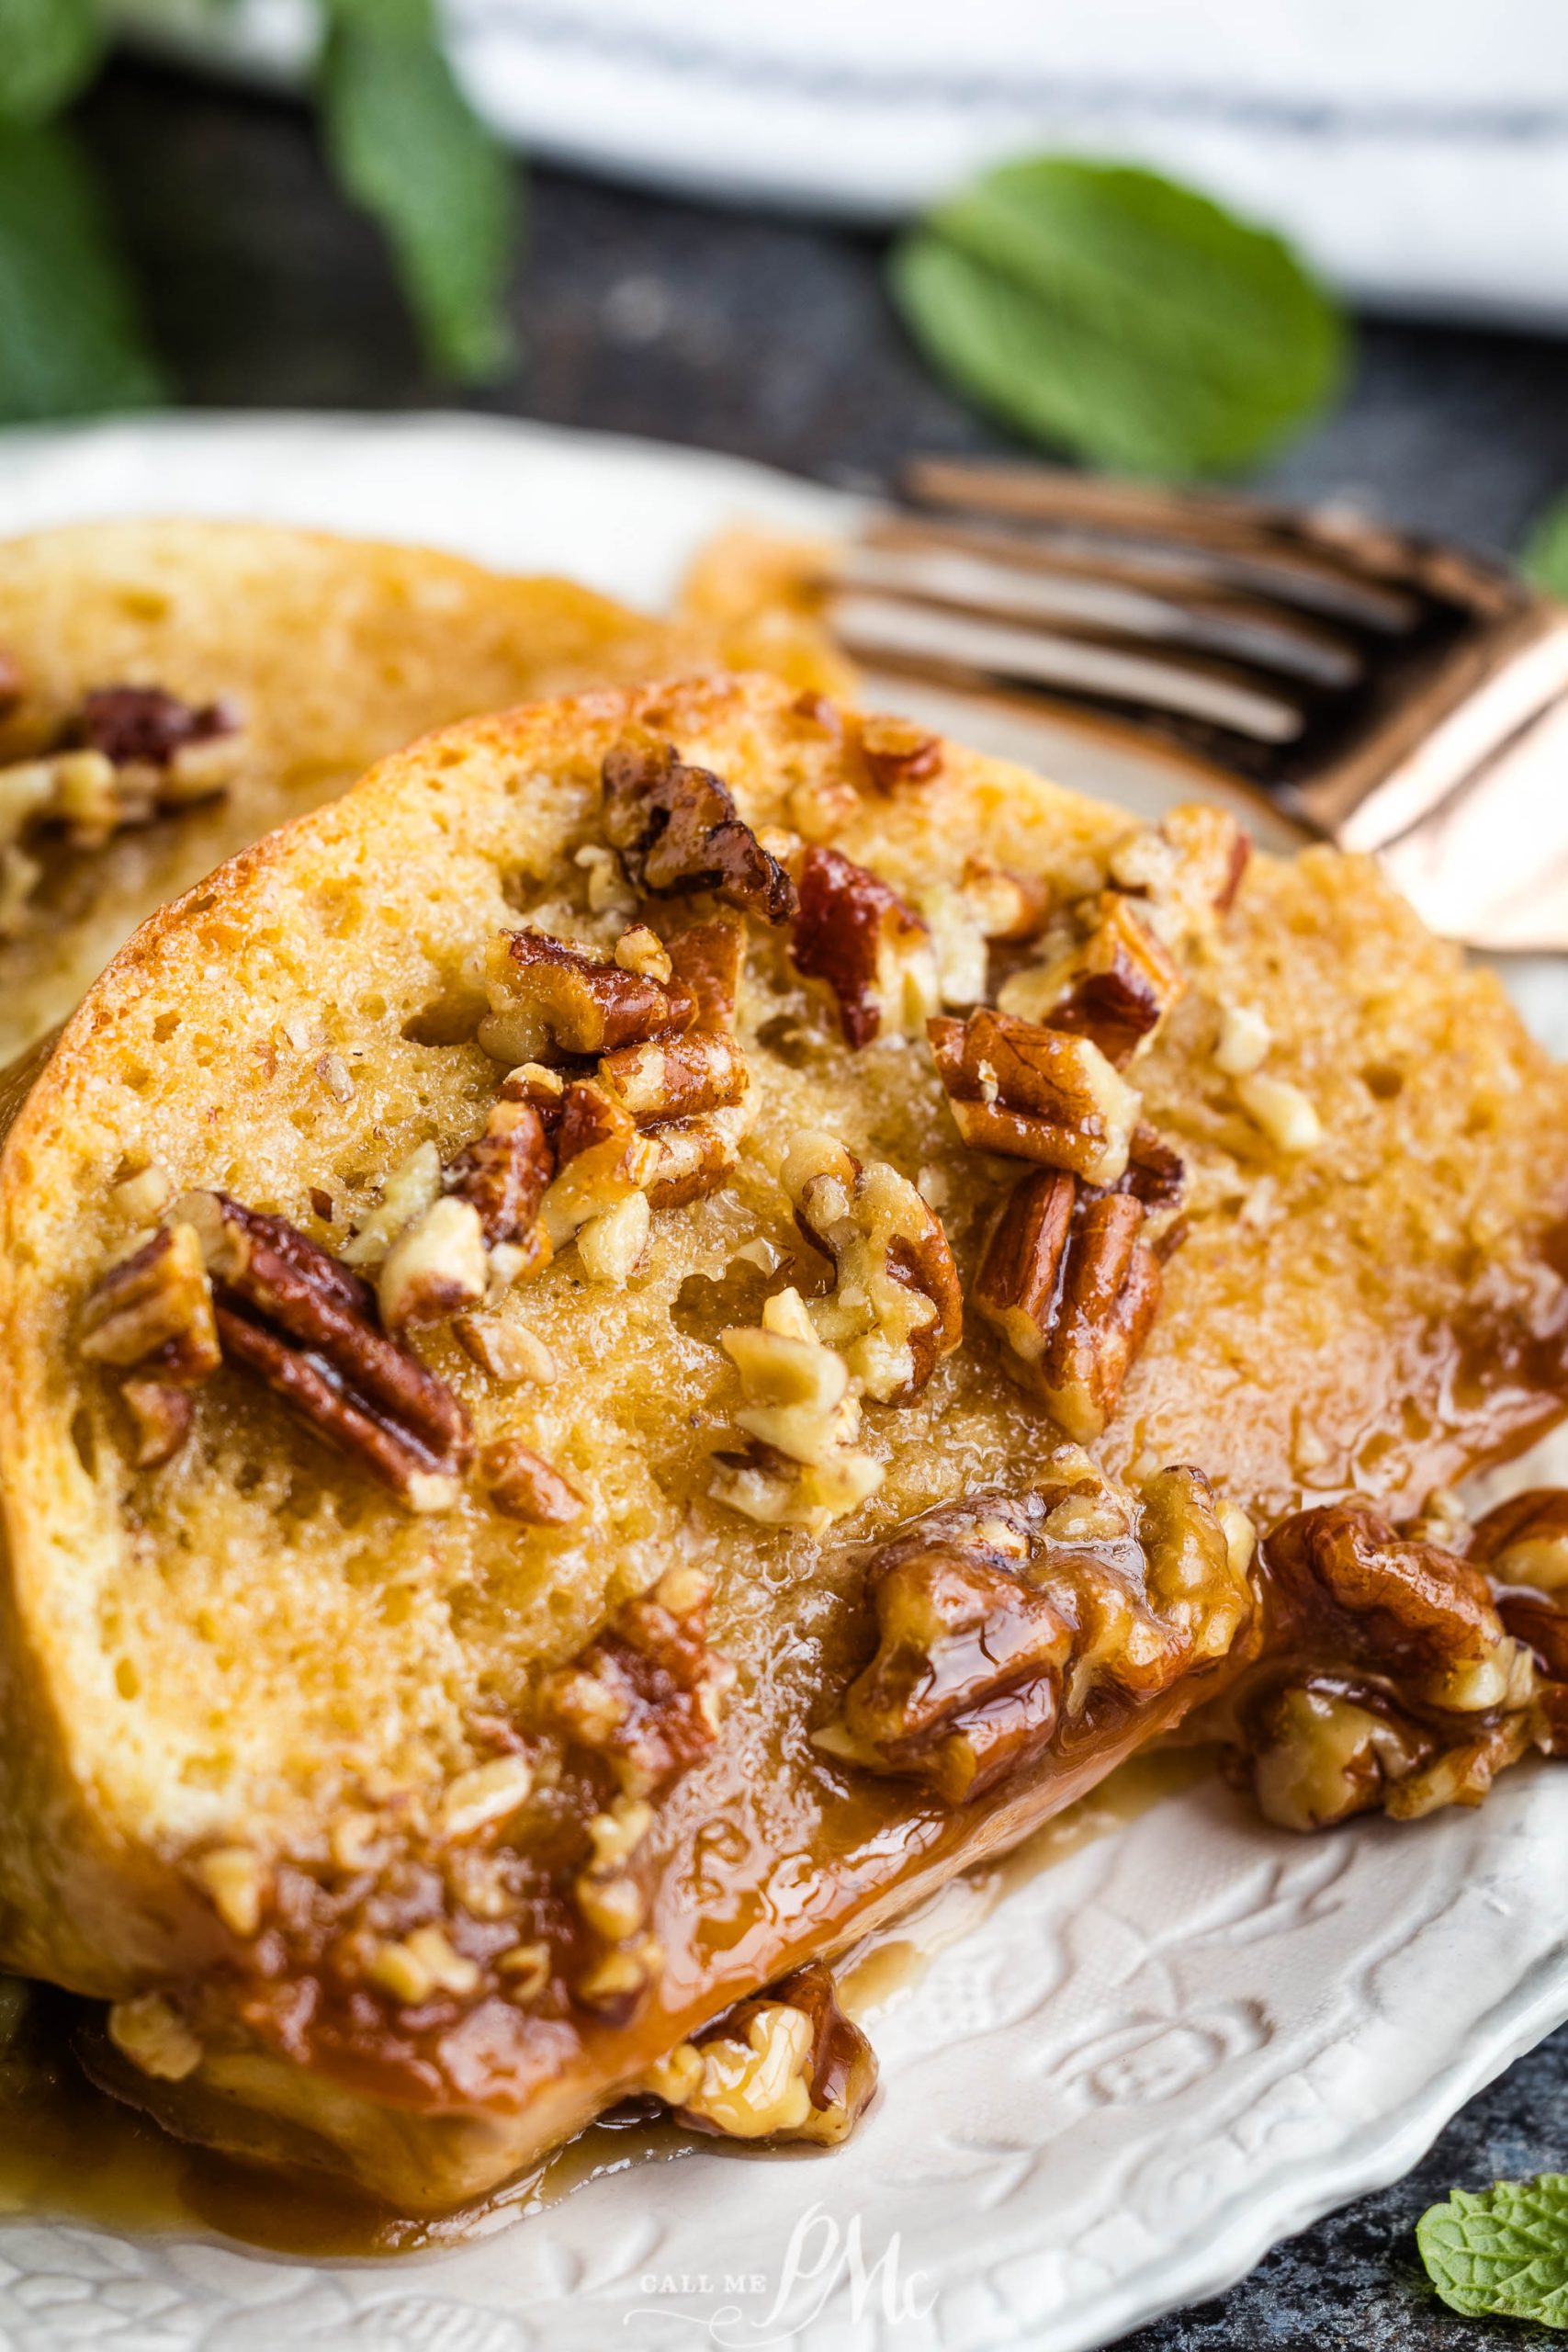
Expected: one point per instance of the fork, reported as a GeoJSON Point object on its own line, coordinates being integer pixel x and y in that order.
{"type": "Point", "coordinates": [1393, 695]}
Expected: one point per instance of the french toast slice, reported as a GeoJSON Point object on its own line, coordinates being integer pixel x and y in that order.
{"type": "Point", "coordinates": [657, 1329]}
{"type": "Point", "coordinates": [325, 652]}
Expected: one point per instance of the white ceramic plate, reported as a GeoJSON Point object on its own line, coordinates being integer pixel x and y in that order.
{"type": "Point", "coordinates": [1135, 2073]}
{"type": "Point", "coordinates": [1418, 149]}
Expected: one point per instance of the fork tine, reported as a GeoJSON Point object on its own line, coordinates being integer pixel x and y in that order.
{"type": "Point", "coordinates": [974, 571]}
{"type": "Point", "coordinates": [882, 629]}
{"type": "Point", "coordinates": [1374, 582]}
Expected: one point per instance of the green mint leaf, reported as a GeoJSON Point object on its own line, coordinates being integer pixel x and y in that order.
{"type": "Point", "coordinates": [1111, 312]}
{"type": "Point", "coordinates": [48, 50]}
{"type": "Point", "coordinates": [70, 340]}
{"type": "Point", "coordinates": [1545, 556]}
{"type": "Point", "coordinates": [407, 148]}
{"type": "Point", "coordinates": [1502, 2254]}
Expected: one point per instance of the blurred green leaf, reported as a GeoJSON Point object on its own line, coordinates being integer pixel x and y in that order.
{"type": "Point", "coordinates": [1113, 313]}
{"type": "Point", "coordinates": [407, 147]}
{"type": "Point", "coordinates": [69, 339]}
{"type": "Point", "coordinates": [1545, 556]}
{"type": "Point", "coordinates": [1501, 2253]}
{"type": "Point", "coordinates": [48, 50]}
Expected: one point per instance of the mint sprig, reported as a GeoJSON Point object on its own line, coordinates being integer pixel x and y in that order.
{"type": "Point", "coordinates": [70, 342]}
{"type": "Point", "coordinates": [406, 146]}
{"type": "Point", "coordinates": [1545, 556]}
{"type": "Point", "coordinates": [1501, 2253]}
{"type": "Point", "coordinates": [1107, 311]}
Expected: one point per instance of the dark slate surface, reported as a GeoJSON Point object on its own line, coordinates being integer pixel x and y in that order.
{"type": "Point", "coordinates": [772, 339]}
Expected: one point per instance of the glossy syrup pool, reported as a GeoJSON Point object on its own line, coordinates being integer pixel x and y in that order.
{"type": "Point", "coordinates": [70, 2151]}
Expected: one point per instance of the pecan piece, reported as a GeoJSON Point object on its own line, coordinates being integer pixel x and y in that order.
{"type": "Point", "coordinates": [1525, 1540]}
{"type": "Point", "coordinates": [504, 1174]}
{"type": "Point", "coordinates": [855, 933]}
{"type": "Point", "coordinates": [12, 682]}
{"type": "Point", "coordinates": [965, 1686]}
{"type": "Point", "coordinates": [1391, 1603]}
{"type": "Point", "coordinates": [647, 1694]}
{"type": "Point", "coordinates": [677, 1077]}
{"type": "Point", "coordinates": [678, 830]}
{"type": "Point", "coordinates": [154, 1311]}
{"type": "Point", "coordinates": [785, 2066]}
{"type": "Point", "coordinates": [706, 959]}
{"type": "Point", "coordinates": [1035, 1093]}
{"type": "Point", "coordinates": [547, 998]}
{"type": "Point", "coordinates": [162, 1416]}
{"type": "Point", "coordinates": [305, 1324]}
{"type": "Point", "coordinates": [801, 1467]}
{"type": "Point", "coordinates": [896, 1308]}
{"type": "Point", "coordinates": [522, 1485]}
{"type": "Point", "coordinates": [1116, 985]}
{"type": "Point", "coordinates": [145, 726]}
{"type": "Point", "coordinates": [691, 1156]}
{"type": "Point", "coordinates": [1190, 870]}
{"type": "Point", "coordinates": [1072, 1291]}
{"type": "Point", "coordinates": [897, 751]}
{"type": "Point", "coordinates": [599, 1158]}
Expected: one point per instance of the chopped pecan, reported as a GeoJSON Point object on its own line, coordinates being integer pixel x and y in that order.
{"type": "Point", "coordinates": [1525, 1540]}
{"type": "Point", "coordinates": [547, 998]}
{"type": "Point", "coordinates": [1035, 1093]}
{"type": "Point", "coordinates": [678, 1077]}
{"type": "Point", "coordinates": [897, 751]}
{"type": "Point", "coordinates": [787, 2065]}
{"type": "Point", "coordinates": [143, 725]}
{"type": "Point", "coordinates": [600, 1156]}
{"type": "Point", "coordinates": [1190, 870]}
{"type": "Point", "coordinates": [678, 830]}
{"type": "Point", "coordinates": [693, 1156]}
{"type": "Point", "coordinates": [522, 1485]}
{"type": "Point", "coordinates": [896, 1308]}
{"type": "Point", "coordinates": [1115, 986]}
{"type": "Point", "coordinates": [1072, 1291]}
{"type": "Point", "coordinates": [504, 1174]}
{"type": "Point", "coordinates": [305, 1324]}
{"type": "Point", "coordinates": [1155, 1173]}
{"type": "Point", "coordinates": [11, 683]}
{"type": "Point", "coordinates": [706, 959]}
{"type": "Point", "coordinates": [646, 1695]}
{"type": "Point", "coordinates": [801, 1468]}
{"type": "Point", "coordinates": [154, 1311]}
{"type": "Point", "coordinates": [965, 1686]}
{"type": "Point", "coordinates": [162, 1417]}
{"type": "Point", "coordinates": [855, 933]}
{"type": "Point", "coordinates": [436, 1267]}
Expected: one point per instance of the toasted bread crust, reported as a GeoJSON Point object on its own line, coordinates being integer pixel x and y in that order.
{"type": "Point", "coordinates": [251, 1642]}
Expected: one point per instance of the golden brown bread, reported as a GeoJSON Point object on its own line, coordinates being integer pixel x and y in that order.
{"type": "Point", "coordinates": [248, 1691]}
{"type": "Point", "coordinates": [336, 651]}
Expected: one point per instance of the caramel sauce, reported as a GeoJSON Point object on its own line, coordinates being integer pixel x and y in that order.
{"type": "Point", "coordinates": [69, 2151]}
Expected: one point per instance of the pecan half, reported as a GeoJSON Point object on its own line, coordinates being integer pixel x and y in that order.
{"type": "Point", "coordinates": [678, 830]}
{"type": "Point", "coordinates": [306, 1324]}
{"type": "Point", "coordinates": [785, 2066]}
{"type": "Point", "coordinates": [896, 1308]}
{"type": "Point", "coordinates": [1072, 1291]}
{"type": "Point", "coordinates": [646, 1695]}
{"type": "Point", "coordinates": [1407, 1686]}
{"type": "Point", "coordinates": [548, 999]}
{"type": "Point", "coordinates": [855, 933]}
{"type": "Point", "coordinates": [965, 1686]}
{"type": "Point", "coordinates": [1035, 1093]}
